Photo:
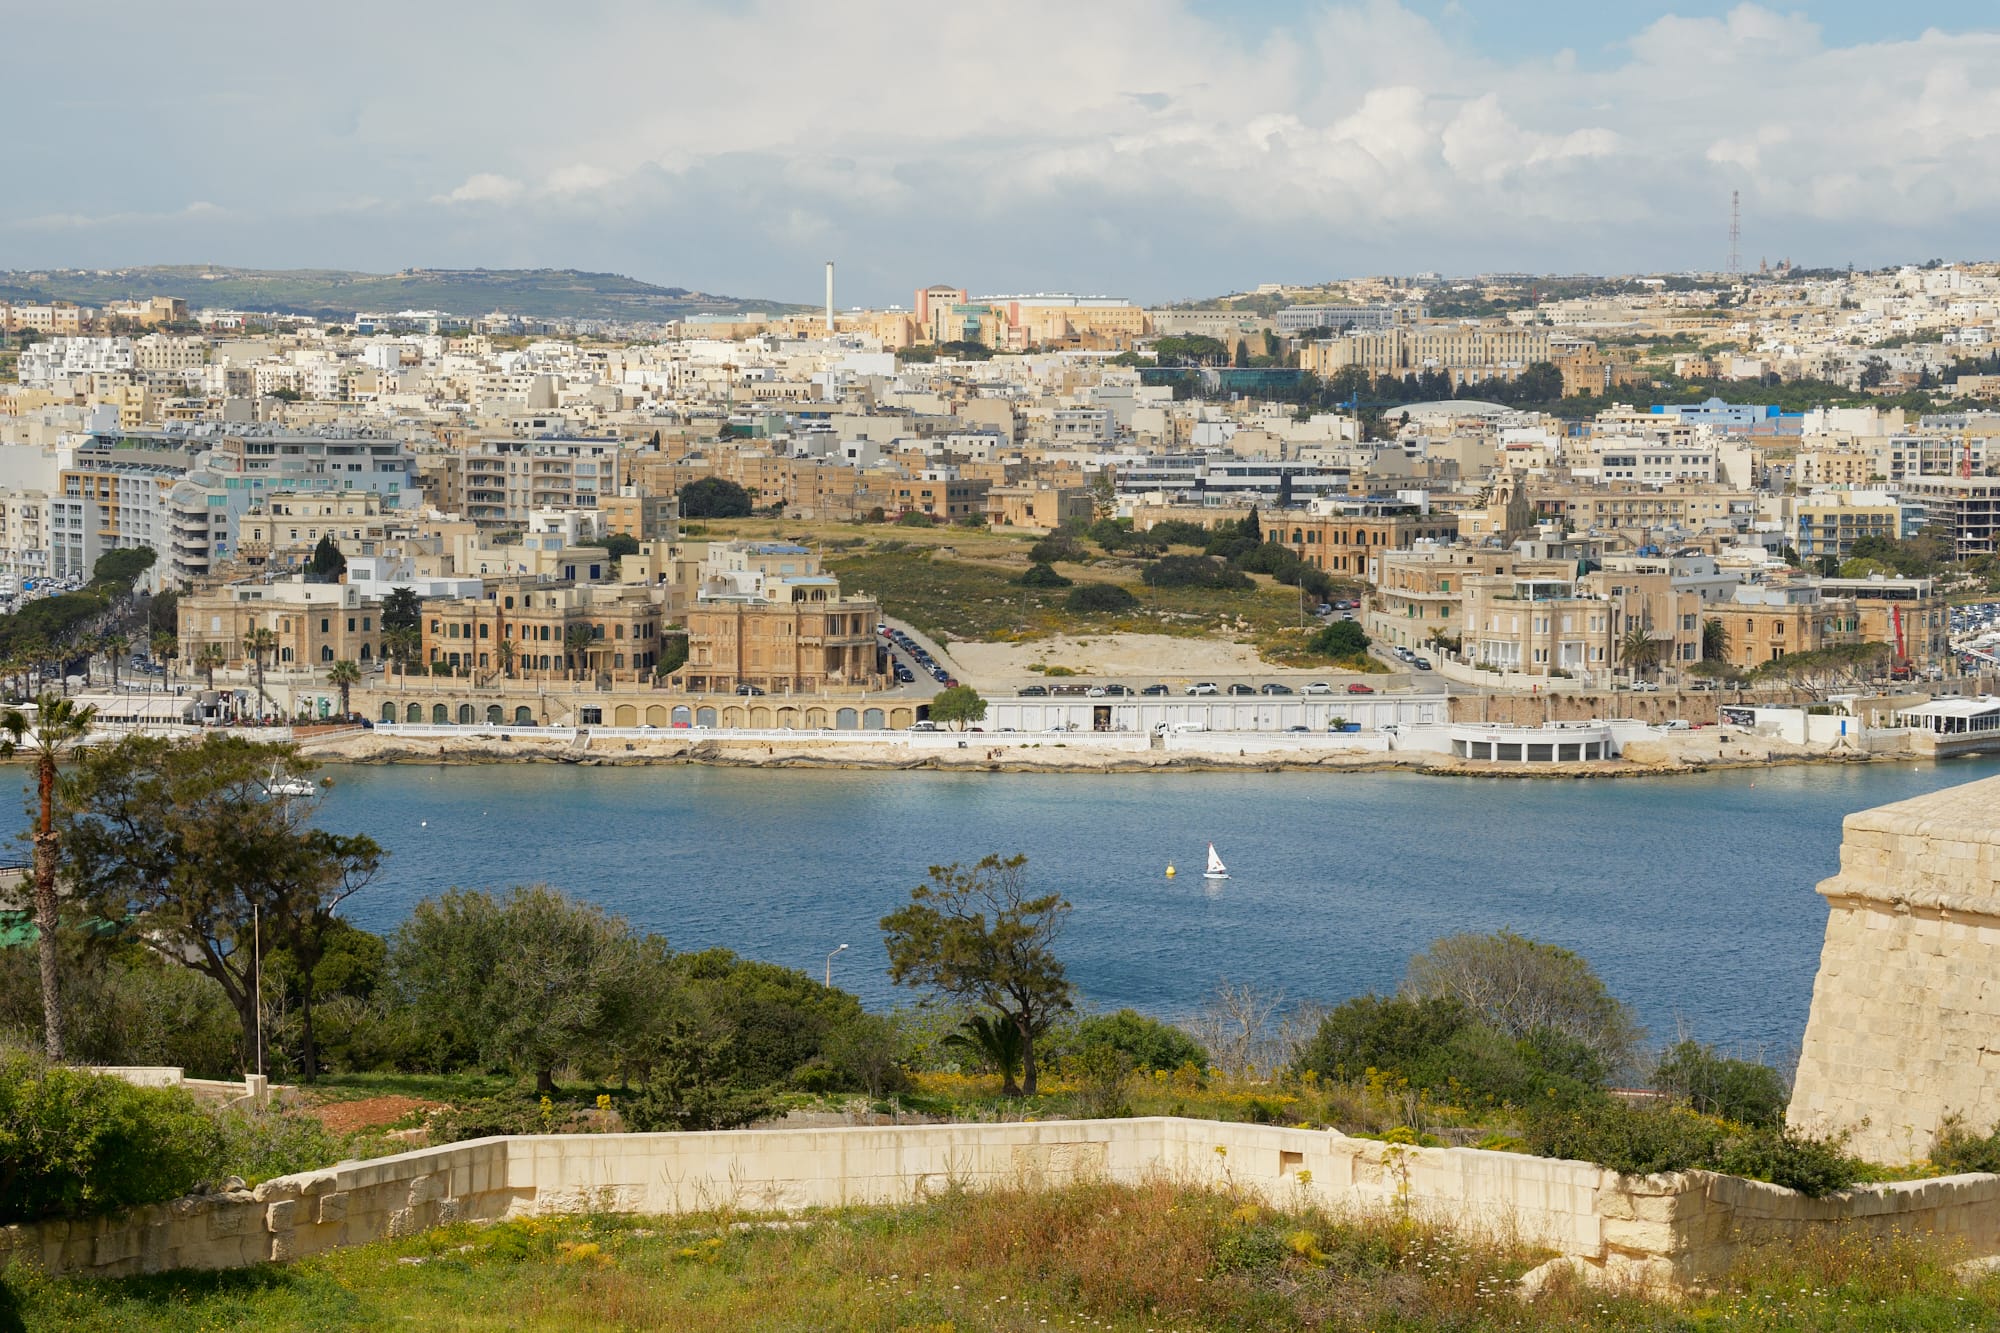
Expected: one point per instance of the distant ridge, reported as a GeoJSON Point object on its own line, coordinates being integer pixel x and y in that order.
{"type": "Point", "coordinates": [537, 293]}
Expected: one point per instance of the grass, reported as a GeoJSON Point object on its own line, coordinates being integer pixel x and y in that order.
{"type": "Point", "coordinates": [973, 595]}
{"type": "Point", "coordinates": [429, 1087]}
{"type": "Point", "coordinates": [1155, 1256]}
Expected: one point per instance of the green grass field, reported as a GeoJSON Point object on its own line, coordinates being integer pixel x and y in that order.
{"type": "Point", "coordinates": [1124, 1259]}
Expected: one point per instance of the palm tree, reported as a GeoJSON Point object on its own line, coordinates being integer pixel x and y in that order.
{"type": "Point", "coordinates": [402, 644]}
{"type": "Point", "coordinates": [115, 647]}
{"type": "Point", "coordinates": [1714, 640]}
{"type": "Point", "coordinates": [577, 639]}
{"type": "Point", "coordinates": [260, 641]}
{"type": "Point", "coordinates": [164, 646]}
{"type": "Point", "coordinates": [346, 675]}
{"type": "Point", "coordinates": [504, 651]}
{"type": "Point", "coordinates": [208, 659]}
{"type": "Point", "coordinates": [996, 1041]}
{"type": "Point", "coordinates": [1639, 650]}
{"type": "Point", "coordinates": [59, 728]}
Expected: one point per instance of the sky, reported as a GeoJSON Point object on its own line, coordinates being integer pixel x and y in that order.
{"type": "Point", "coordinates": [1154, 149]}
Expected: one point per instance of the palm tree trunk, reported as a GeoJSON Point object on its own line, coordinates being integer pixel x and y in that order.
{"type": "Point", "coordinates": [45, 906]}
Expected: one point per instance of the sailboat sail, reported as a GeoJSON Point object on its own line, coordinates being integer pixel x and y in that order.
{"type": "Point", "coordinates": [1215, 866]}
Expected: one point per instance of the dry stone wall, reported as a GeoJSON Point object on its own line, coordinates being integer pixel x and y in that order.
{"type": "Point", "coordinates": [1661, 1231]}
{"type": "Point", "coordinates": [1905, 1022]}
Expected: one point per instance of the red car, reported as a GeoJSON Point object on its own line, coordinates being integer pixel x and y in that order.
{"type": "Point", "coordinates": [1361, 689]}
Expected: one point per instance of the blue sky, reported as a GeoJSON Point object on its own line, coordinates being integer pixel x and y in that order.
{"type": "Point", "coordinates": [1153, 148]}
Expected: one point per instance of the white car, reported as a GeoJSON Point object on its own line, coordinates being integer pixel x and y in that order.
{"type": "Point", "coordinates": [1094, 692]}
{"type": "Point", "coordinates": [1205, 687]}
{"type": "Point", "coordinates": [1317, 687]}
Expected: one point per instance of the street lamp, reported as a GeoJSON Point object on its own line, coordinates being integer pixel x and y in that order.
{"type": "Point", "coordinates": [829, 966]}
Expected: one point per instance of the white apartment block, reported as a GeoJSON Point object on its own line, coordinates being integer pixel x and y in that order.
{"type": "Point", "coordinates": [43, 363]}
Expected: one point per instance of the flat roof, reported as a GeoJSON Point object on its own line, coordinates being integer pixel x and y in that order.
{"type": "Point", "coordinates": [1952, 708]}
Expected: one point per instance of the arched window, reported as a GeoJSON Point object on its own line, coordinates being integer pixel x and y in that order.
{"type": "Point", "coordinates": [493, 715]}
{"type": "Point", "coordinates": [524, 716]}
{"type": "Point", "coordinates": [389, 713]}
{"type": "Point", "coordinates": [439, 716]}
{"type": "Point", "coordinates": [465, 715]}
{"type": "Point", "coordinates": [326, 652]}
{"type": "Point", "coordinates": [414, 713]}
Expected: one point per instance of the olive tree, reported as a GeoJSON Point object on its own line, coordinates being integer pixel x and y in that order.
{"type": "Point", "coordinates": [980, 935]}
{"type": "Point", "coordinates": [1521, 987]}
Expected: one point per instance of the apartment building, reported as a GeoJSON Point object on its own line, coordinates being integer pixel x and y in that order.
{"type": "Point", "coordinates": [1349, 538]}
{"type": "Point", "coordinates": [1373, 317]}
{"type": "Point", "coordinates": [24, 536]}
{"type": "Point", "coordinates": [1037, 505]}
{"type": "Point", "coordinates": [282, 532]}
{"type": "Point", "coordinates": [1466, 353]}
{"type": "Point", "coordinates": [1539, 626]}
{"type": "Point", "coordinates": [1763, 622]}
{"type": "Point", "coordinates": [1651, 464]}
{"type": "Point", "coordinates": [497, 481]}
{"type": "Point", "coordinates": [1815, 469]}
{"type": "Point", "coordinates": [1421, 591]}
{"type": "Point", "coordinates": [532, 629]}
{"type": "Point", "coordinates": [766, 616]}
{"type": "Point", "coordinates": [1912, 616]}
{"type": "Point", "coordinates": [1829, 523]}
{"type": "Point", "coordinates": [164, 353]}
{"type": "Point", "coordinates": [42, 364]}
{"type": "Point", "coordinates": [313, 624]}
{"type": "Point", "coordinates": [1966, 507]}
{"type": "Point", "coordinates": [640, 514]}
{"type": "Point", "coordinates": [1681, 506]}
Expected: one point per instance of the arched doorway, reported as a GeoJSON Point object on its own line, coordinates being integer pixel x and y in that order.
{"type": "Point", "coordinates": [625, 715]}
{"type": "Point", "coordinates": [439, 717]}
{"type": "Point", "coordinates": [493, 715]}
{"type": "Point", "coordinates": [465, 715]}
{"type": "Point", "coordinates": [681, 716]}
{"type": "Point", "coordinates": [872, 720]}
{"type": "Point", "coordinates": [656, 715]}
{"type": "Point", "coordinates": [703, 717]}
{"type": "Point", "coordinates": [846, 719]}
{"type": "Point", "coordinates": [389, 712]}
{"type": "Point", "coordinates": [524, 716]}
{"type": "Point", "coordinates": [414, 713]}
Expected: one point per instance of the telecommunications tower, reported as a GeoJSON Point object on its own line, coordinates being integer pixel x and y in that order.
{"type": "Point", "coordinates": [1735, 232]}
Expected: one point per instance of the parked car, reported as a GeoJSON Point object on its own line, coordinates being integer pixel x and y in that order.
{"type": "Point", "coordinates": [1204, 687]}
{"type": "Point", "coordinates": [1095, 692]}
{"type": "Point", "coordinates": [1359, 688]}
{"type": "Point", "coordinates": [1034, 692]}
{"type": "Point", "coordinates": [1298, 728]}
{"type": "Point", "coordinates": [1421, 663]}
{"type": "Point", "coordinates": [1317, 687]}
{"type": "Point", "coordinates": [1275, 688]}
{"type": "Point", "coordinates": [924, 725]}
{"type": "Point", "coordinates": [1677, 724]}
{"type": "Point", "coordinates": [1239, 687]}
{"type": "Point", "coordinates": [1157, 689]}
{"type": "Point", "coordinates": [749, 689]}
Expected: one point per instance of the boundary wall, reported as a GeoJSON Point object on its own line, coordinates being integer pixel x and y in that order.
{"type": "Point", "coordinates": [1666, 1231]}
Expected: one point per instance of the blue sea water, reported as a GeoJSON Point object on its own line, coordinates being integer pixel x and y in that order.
{"type": "Point", "coordinates": [1692, 896]}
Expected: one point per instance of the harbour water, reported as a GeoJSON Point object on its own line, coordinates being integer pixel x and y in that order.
{"type": "Point", "coordinates": [1692, 896]}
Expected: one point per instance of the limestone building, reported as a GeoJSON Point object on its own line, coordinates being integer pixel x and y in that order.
{"type": "Point", "coordinates": [1905, 1025]}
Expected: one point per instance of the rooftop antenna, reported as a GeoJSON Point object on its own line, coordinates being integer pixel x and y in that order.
{"type": "Point", "coordinates": [1735, 232]}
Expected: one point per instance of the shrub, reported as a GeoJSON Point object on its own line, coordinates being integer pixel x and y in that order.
{"type": "Point", "coordinates": [914, 518]}
{"type": "Point", "coordinates": [1342, 638]}
{"type": "Point", "coordinates": [1148, 1042]}
{"type": "Point", "coordinates": [1099, 597]}
{"type": "Point", "coordinates": [1812, 1166]}
{"type": "Point", "coordinates": [1371, 1032]}
{"type": "Point", "coordinates": [1628, 1139]}
{"type": "Point", "coordinates": [1057, 546]}
{"type": "Point", "coordinates": [714, 497]}
{"type": "Point", "coordinates": [1522, 986]}
{"type": "Point", "coordinates": [74, 1144]}
{"type": "Point", "coordinates": [1958, 1149]}
{"type": "Point", "coordinates": [1102, 1076]}
{"type": "Point", "coordinates": [1194, 571]}
{"type": "Point", "coordinates": [258, 1145]}
{"type": "Point", "coordinates": [1043, 576]}
{"type": "Point", "coordinates": [1739, 1090]}
{"type": "Point", "coordinates": [690, 1087]}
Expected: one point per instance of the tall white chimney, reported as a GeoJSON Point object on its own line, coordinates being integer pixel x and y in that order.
{"type": "Point", "coordinates": [829, 296]}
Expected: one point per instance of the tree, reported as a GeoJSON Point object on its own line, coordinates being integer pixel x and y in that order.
{"type": "Point", "coordinates": [527, 980]}
{"type": "Point", "coordinates": [326, 564]}
{"type": "Point", "coordinates": [957, 706]}
{"type": "Point", "coordinates": [621, 544]}
{"type": "Point", "coordinates": [1251, 527]}
{"type": "Point", "coordinates": [503, 653]}
{"type": "Point", "coordinates": [163, 645]}
{"type": "Point", "coordinates": [1340, 639]}
{"type": "Point", "coordinates": [1149, 1043]}
{"type": "Point", "coordinates": [260, 641]}
{"type": "Point", "coordinates": [1521, 986]}
{"type": "Point", "coordinates": [577, 642]}
{"type": "Point", "coordinates": [1739, 1090]}
{"type": "Point", "coordinates": [344, 675]}
{"type": "Point", "coordinates": [1087, 597]}
{"type": "Point", "coordinates": [208, 658]}
{"type": "Point", "coordinates": [1044, 576]}
{"type": "Point", "coordinates": [993, 1042]}
{"type": "Point", "coordinates": [183, 842]}
{"type": "Point", "coordinates": [402, 609]}
{"type": "Point", "coordinates": [978, 935]}
{"type": "Point", "coordinates": [115, 648]}
{"type": "Point", "coordinates": [1104, 493]}
{"type": "Point", "coordinates": [402, 643]}
{"type": "Point", "coordinates": [58, 731]}
{"type": "Point", "coordinates": [714, 497]}
{"type": "Point", "coordinates": [1639, 650]}
{"type": "Point", "coordinates": [1714, 640]}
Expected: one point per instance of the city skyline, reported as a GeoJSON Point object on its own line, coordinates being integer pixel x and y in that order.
{"type": "Point", "coordinates": [1160, 152]}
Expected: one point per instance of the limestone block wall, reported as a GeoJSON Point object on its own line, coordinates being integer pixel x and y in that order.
{"type": "Point", "coordinates": [1905, 1021]}
{"type": "Point", "coordinates": [1665, 1231]}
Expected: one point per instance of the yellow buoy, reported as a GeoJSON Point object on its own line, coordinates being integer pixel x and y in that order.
{"type": "Point", "coordinates": [1170, 872]}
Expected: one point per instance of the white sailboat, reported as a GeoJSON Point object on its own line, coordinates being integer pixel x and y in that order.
{"type": "Point", "coordinates": [1216, 870]}
{"type": "Point", "coordinates": [285, 784]}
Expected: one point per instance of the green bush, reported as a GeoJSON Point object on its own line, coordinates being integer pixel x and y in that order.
{"type": "Point", "coordinates": [1437, 1045]}
{"type": "Point", "coordinates": [1957, 1149]}
{"type": "Point", "coordinates": [258, 1145]}
{"type": "Point", "coordinates": [1194, 571]}
{"type": "Point", "coordinates": [1629, 1139]}
{"type": "Point", "coordinates": [1739, 1090]}
{"type": "Point", "coordinates": [914, 518]}
{"type": "Point", "coordinates": [74, 1144]}
{"type": "Point", "coordinates": [1099, 597]}
{"type": "Point", "coordinates": [1149, 1043]}
{"type": "Point", "coordinates": [1057, 546]}
{"type": "Point", "coordinates": [1812, 1166]}
{"type": "Point", "coordinates": [1341, 638]}
{"type": "Point", "coordinates": [1043, 576]}
{"type": "Point", "coordinates": [1373, 1032]}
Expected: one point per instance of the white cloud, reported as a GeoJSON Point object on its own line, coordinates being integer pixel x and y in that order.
{"type": "Point", "coordinates": [692, 142]}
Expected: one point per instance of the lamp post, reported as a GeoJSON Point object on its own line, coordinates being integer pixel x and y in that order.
{"type": "Point", "coordinates": [829, 965]}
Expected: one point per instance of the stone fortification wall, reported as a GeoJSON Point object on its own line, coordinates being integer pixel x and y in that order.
{"type": "Point", "coordinates": [1662, 1230]}
{"type": "Point", "coordinates": [1905, 1022]}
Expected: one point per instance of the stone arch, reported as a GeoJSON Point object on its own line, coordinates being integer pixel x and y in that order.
{"type": "Point", "coordinates": [414, 713]}
{"type": "Point", "coordinates": [846, 719]}
{"type": "Point", "coordinates": [524, 716]}
{"type": "Point", "coordinates": [901, 718]}
{"type": "Point", "coordinates": [760, 717]}
{"type": "Point", "coordinates": [816, 719]}
{"type": "Point", "coordinates": [625, 715]}
{"type": "Point", "coordinates": [788, 718]}
{"type": "Point", "coordinates": [682, 716]}
{"type": "Point", "coordinates": [874, 720]}
{"type": "Point", "coordinates": [493, 715]}
{"type": "Point", "coordinates": [465, 715]}
{"type": "Point", "coordinates": [656, 715]}
{"type": "Point", "coordinates": [703, 717]}
{"type": "Point", "coordinates": [732, 716]}
{"type": "Point", "coordinates": [439, 717]}
{"type": "Point", "coordinates": [388, 712]}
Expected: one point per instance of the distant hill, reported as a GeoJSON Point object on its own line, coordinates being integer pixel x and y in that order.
{"type": "Point", "coordinates": [541, 293]}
